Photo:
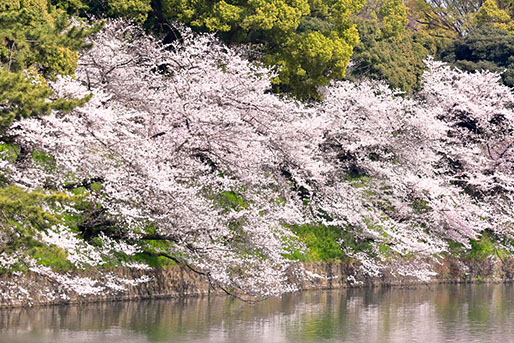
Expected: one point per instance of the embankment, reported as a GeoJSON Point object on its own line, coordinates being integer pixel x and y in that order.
{"type": "Point", "coordinates": [32, 289]}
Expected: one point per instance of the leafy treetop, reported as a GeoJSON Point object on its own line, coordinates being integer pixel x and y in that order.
{"type": "Point", "coordinates": [309, 41]}
{"type": "Point", "coordinates": [37, 43]}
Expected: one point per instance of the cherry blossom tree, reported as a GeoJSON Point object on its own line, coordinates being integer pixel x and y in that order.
{"type": "Point", "coordinates": [437, 168]}
{"type": "Point", "coordinates": [478, 156]}
{"type": "Point", "coordinates": [169, 131]}
{"type": "Point", "coordinates": [185, 154]}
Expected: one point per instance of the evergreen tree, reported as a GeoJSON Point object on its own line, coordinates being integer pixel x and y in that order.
{"type": "Point", "coordinates": [388, 51]}
{"type": "Point", "coordinates": [37, 43]}
{"type": "Point", "coordinates": [485, 48]}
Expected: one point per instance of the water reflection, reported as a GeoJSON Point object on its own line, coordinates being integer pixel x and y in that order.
{"type": "Point", "coordinates": [437, 314]}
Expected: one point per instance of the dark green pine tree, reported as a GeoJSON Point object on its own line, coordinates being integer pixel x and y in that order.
{"type": "Point", "coordinates": [485, 48]}
{"type": "Point", "coordinates": [37, 43]}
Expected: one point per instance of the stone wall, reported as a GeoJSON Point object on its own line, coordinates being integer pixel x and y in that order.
{"type": "Point", "coordinates": [31, 289]}
{"type": "Point", "coordinates": [17, 289]}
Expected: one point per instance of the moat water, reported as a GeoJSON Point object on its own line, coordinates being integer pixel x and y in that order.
{"type": "Point", "coordinates": [442, 313]}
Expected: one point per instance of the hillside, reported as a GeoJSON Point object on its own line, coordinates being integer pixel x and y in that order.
{"type": "Point", "coordinates": [125, 149]}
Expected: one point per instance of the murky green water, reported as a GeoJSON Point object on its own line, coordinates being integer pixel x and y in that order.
{"type": "Point", "coordinates": [479, 313]}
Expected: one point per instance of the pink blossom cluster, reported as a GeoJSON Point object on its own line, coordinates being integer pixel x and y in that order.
{"type": "Point", "coordinates": [171, 127]}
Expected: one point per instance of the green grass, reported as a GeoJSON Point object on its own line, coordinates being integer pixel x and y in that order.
{"type": "Point", "coordinates": [51, 256]}
{"type": "Point", "coordinates": [485, 247]}
{"type": "Point", "coordinates": [9, 152]}
{"type": "Point", "coordinates": [322, 242]}
{"type": "Point", "coordinates": [230, 200]}
{"type": "Point", "coordinates": [44, 160]}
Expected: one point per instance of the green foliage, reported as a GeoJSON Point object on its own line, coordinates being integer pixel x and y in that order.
{"type": "Point", "coordinates": [50, 256]}
{"type": "Point", "coordinates": [486, 246]}
{"type": "Point", "coordinates": [19, 97]}
{"type": "Point", "coordinates": [322, 242]}
{"type": "Point", "coordinates": [485, 48]}
{"type": "Point", "coordinates": [327, 243]}
{"type": "Point", "coordinates": [384, 250]}
{"type": "Point", "coordinates": [489, 13]}
{"type": "Point", "coordinates": [35, 33]}
{"type": "Point", "coordinates": [389, 15]}
{"type": "Point", "coordinates": [26, 210]}
{"type": "Point", "coordinates": [264, 15]}
{"type": "Point", "coordinates": [388, 52]}
{"type": "Point", "coordinates": [23, 215]}
{"type": "Point", "coordinates": [483, 248]}
{"type": "Point", "coordinates": [310, 42]}
{"type": "Point", "coordinates": [420, 206]}
{"type": "Point", "coordinates": [394, 17]}
{"type": "Point", "coordinates": [358, 180]}
{"type": "Point", "coordinates": [455, 248]}
{"type": "Point", "coordinates": [153, 261]}
{"type": "Point", "coordinates": [25, 94]}
{"type": "Point", "coordinates": [230, 200]}
{"type": "Point", "coordinates": [311, 59]}
{"type": "Point", "coordinates": [136, 10]}
{"type": "Point", "coordinates": [450, 20]}
{"type": "Point", "coordinates": [70, 6]}
{"type": "Point", "coordinates": [8, 152]}
{"type": "Point", "coordinates": [37, 42]}
{"type": "Point", "coordinates": [44, 160]}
